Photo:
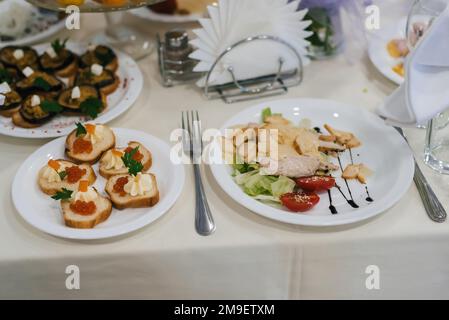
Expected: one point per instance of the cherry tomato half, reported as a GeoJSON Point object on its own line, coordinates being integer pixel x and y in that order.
{"type": "Point", "coordinates": [315, 183]}
{"type": "Point", "coordinates": [300, 201]}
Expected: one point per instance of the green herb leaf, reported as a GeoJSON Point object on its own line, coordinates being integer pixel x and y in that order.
{"type": "Point", "coordinates": [91, 107]}
{"type": "Point", "coordinates": [42, 84]}
{"type": "Point", "coordinates": [80, 129]}
{"type": "Point", "coordinates": [5, 76]}
{"type": "Point", "coordinates": [51, 106]}
{"type": "Point", "coordinates": [58, 45]}
{"type": "Point", "coordinates": [62, 174]}
{"type": "Point", "coordinates": [63, 195]}
{"type": "Point", "coordinates": [266, 113]}
{"type": "Point", "coordinates": [134, 167]}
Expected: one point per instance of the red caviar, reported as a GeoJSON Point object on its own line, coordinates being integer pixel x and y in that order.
{"type": "Point", "coordinates": [83, 208]}
{"type": "Point", "coordinates": [82, 146]}
{"type": "Point", "coordinates": [119, 186]}
{"type": "Point", "coordinates": [74, 174]}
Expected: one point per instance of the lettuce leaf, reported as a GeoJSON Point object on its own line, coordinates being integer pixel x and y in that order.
{"type": "Point", "coordinates": [282, 186]}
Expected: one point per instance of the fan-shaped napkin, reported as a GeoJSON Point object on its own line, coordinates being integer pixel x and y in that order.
{"type": "Point", "coordinates": [232, 21]}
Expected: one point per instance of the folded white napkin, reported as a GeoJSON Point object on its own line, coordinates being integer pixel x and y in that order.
{"type": "Point", "coordinates": [425, 92]}
{"type": "Point", "coordinates": [232, 21]}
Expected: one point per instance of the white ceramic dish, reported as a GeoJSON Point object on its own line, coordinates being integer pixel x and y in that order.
{"type": "Point", "coordinates": [42, 212]}
{"type": "Point", "coordinates": [41, 25]}
{"type": "Point", "coordinates": [379, 55]}
{"type": "Point", "coordinates": [131, 82]}
{"type": "Point", "coordinates": [384, 151]}
{"type": "Point", "coordinates": [150, 15]}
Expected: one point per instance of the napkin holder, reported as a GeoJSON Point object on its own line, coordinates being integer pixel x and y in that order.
{"type": "Point", "coordinates": [269, 85]}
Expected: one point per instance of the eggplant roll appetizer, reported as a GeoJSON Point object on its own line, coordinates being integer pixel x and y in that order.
{"type": "Point", "coordinates": [19, 57]}
{"type": "Point", "coordinates": [71, 99]}
{"type": "Point", "coordinates": [101, 55]}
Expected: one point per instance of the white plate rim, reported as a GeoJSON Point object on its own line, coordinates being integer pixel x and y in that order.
{"type": "Point", "coordinates": [51, 30]}
{"type": "Point", "coordinates": [377, 51]}
{"type": "Point", "coordinates": [163, 206]}
{"type": "Point", "coordinates": [222, 177]}
{"type": "Point", "coordinates": [135, 85]}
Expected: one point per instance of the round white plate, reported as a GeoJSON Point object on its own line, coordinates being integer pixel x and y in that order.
{"type": "Point", "coordinates": [37, 35]}
{"type": "Point", "coordinates": [147, 14]}
{"type": "Point", "coordinates": [44, 213]}
{"type": "Point", "coordinates": [131, 82]}
{"type": "Point", "coordinates": [379, 55]}
{"type": "Point", "coordinates": [384, 151]}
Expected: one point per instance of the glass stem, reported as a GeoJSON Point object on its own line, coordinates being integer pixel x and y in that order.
{"type": "Point", "coordinates": [113, 19]}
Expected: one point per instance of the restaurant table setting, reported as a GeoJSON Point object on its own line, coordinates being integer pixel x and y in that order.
{"type": "Point", "coordinates": [178, 221]}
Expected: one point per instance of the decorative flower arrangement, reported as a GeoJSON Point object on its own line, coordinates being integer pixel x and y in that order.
{"type": "Point", "coordinates": [328, 39]}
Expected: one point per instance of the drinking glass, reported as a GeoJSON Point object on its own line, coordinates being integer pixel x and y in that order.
{"type": "Point", "coordinates": [436, 149]}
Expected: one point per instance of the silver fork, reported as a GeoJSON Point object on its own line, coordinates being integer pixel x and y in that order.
{"type": "Point", "coordinates": [193, 146]}
{"type": "Point", "coordinates": [433, 206]}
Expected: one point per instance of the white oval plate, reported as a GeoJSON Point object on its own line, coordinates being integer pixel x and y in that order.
{"type": "Point", "coordinates": [131, 82]}
{"type": "Point", "coordinates": [384, 151]}
{"type": "Point", "coordinates": [379, 55]}
{"type": "Point", "coordinates": [147, 14]}
{"type": "Point", "coordinates": [44, 213]}
{"type": "Point", "coordinates": [36, 35]}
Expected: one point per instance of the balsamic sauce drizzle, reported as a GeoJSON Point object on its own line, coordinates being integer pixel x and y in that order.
{"type": "Point", "coordinates": [369, 199]}
{"type": "Point", "coordinates": [331, 206]}
{"type": "Point", "coordinates": [351, 201]}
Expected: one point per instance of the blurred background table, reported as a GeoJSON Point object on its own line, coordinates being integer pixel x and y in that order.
{"type": "Point", "coordinates": [248, 256]}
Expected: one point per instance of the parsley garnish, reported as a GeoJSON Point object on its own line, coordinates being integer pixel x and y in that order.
{"type": "Point", "coordinates": [5, 76]}
{"type": "Point", "coordinates": [80, 129]}
{"type": "Point", "coordinates": [42, 84]}
{"type": "Point", "coordinates": [91, 106]}
{"type": "Point", "coordinates": [134, 167]}
{"type": "Point", "coordinates": [104, 57]}
{"type": "Point", "coordinates": [51, 106]}
{"type": "Point", "coordinates": [62, 174]}
{"type": "Point", "coordinates": [59, 45]}
{"type": "Point", "coordinates": [63, 195]}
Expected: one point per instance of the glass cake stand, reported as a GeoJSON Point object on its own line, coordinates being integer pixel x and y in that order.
{"type": "Point", "coordinates": [125, 38]}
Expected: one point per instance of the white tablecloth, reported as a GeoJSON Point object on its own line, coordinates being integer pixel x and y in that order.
{"type": "Point", "coordinates": [248, 256]}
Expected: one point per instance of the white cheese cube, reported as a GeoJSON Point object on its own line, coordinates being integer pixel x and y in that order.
{"type": "Point", "coordinates": [76, 93]}
{"type": "Point", "coordinates": [27, 71]}
{"type": "Point", "coordinates": [18, 54]}
{"type": "Point", "coordinates": [96, 69]}
{"type": "Point", "coordinates": [4, 87]}
{"type": "Point", "coordinates": [35, 100]}
{"type": "Point", "coordinates": [2, 99]}
{"type": "Point", "coordinates": [51, 52]}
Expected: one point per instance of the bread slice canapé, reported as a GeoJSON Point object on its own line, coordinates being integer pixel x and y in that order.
{"type": "Point", "coordinates": [103, 209]}
{"type": "Point", "coordinates": [106, 142]}
{"type": "Point", "coordinates": [125, 200]}
{"type": "Point", "coordinates": [142, 152]}
{"type": "Point", "coordinates": [51, 188]}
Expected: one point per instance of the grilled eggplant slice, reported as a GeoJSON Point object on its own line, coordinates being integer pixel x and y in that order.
{"type": "Point", "coordinates": [30, 116]}
{"type": "Point", "coordinates": [30, 58]}
{"type": "Point", "coordinates": [11, 104]}
{"type": "Point", "coordinates": [40, 82]}
{"type": "Point", "coordinates": [101, 55]}
{"type": "Point", "coordinates": [107, 82]}
{"type": "Point", "coordinates": [73, 106]}
{"type": "Point", "coordinates": [63, 65]}
{"type": "Point", "coordinates": [9, 75]}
